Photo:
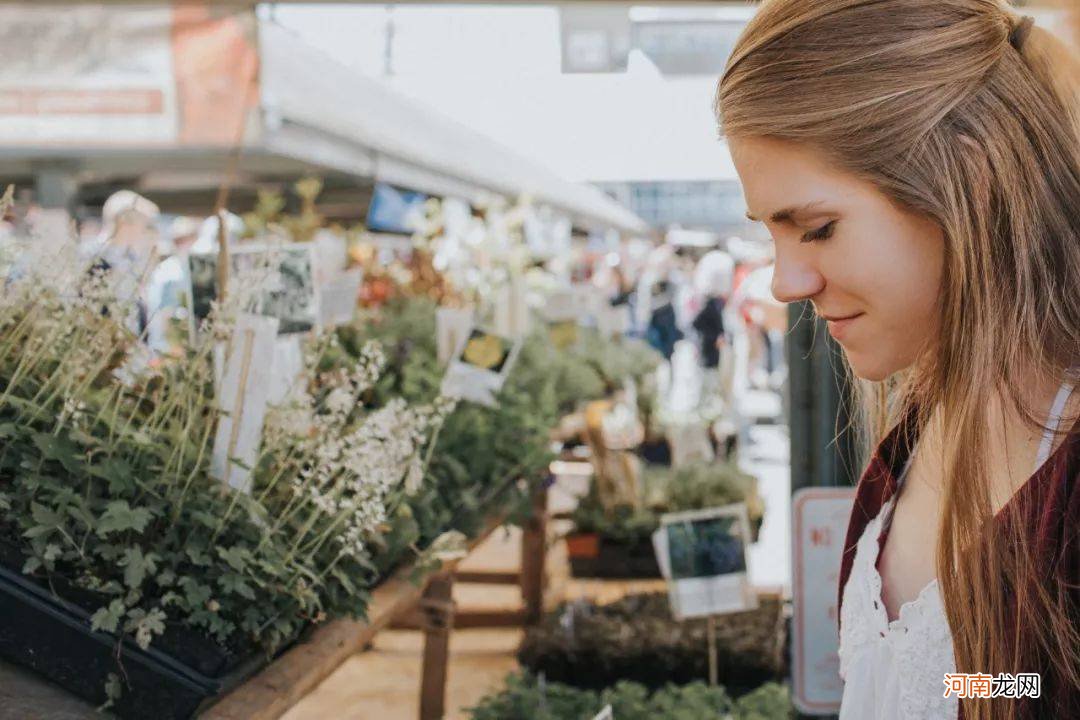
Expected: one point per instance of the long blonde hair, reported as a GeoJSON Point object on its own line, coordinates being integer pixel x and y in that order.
{"type": "Point", "coordinates": [960, 111]}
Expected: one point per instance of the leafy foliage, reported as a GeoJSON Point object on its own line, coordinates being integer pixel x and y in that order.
{"type": "Point", "coordinates": [636, 638]}
{"type": "Point", "coordinates": [526, 698]}
{"type": "Point", "coordinates": [693, 487]}
{"type": "Point", "coordinates": [108, 498]}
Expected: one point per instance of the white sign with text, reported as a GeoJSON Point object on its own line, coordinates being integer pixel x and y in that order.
{"type": "Point", "coordinates": [819, 523]}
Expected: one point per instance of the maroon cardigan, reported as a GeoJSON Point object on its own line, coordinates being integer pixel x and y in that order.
{"type": "Point", "coordinates": [1053, 519]}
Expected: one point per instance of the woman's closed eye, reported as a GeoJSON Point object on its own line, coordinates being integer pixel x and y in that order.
{"type": "Point", "coordinates": [822, 233]}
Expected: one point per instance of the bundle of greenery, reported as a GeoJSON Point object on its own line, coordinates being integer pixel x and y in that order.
{"type": "Point", "coordinates": [528, 698]}
{"type": "Point", "coordinates": [637, 639]}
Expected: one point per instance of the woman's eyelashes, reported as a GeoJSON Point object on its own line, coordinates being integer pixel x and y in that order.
{"type": "Point", "coordinates": [822, 233]}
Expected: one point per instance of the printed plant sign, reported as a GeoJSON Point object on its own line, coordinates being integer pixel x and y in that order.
{"type": "Point", "coordinates": [242, 398]}
{"type": "Point", "coordinates": [285, 276]}
{"type": "Point", "coordinates": [480, 367]}
{"type": "Point", "coordinates": [702, 554]}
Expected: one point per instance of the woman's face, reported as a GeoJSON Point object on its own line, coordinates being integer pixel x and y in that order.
{"type": "Point", "coordinates": [870, 268]}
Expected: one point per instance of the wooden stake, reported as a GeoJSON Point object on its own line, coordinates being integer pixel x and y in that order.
{"type": "Point", "coordinates": [438, 608]}
{"type": "Point", "coordinates": [710, 625]}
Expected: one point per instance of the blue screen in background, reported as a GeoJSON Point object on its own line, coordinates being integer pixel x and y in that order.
{"type": "Point", "coordinates": [393, 210]}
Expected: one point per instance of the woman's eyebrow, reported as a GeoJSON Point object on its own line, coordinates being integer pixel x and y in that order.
{"type": "Point", "coordinates": [788, 214]}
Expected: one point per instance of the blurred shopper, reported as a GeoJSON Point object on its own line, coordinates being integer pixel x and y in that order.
{"type": "Point", "coordinates": [917, 163]}
{"type": "Point", "coordinates": [663, 331]}
{"type": "Point", "coordinates": [124, 252]}
{"type": "Point", "coordinates": [167, 290]}
{"type": "Point", "coordinates": [712, 282]}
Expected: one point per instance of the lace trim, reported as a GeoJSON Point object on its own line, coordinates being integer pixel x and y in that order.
{"type": "Point", "coordinates": [919, 638]}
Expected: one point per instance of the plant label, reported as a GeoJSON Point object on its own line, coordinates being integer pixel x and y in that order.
{"type": "Point", "coordinates": [702, 555]}
{"type": "Point", "coordinates": [606, 714]}
{"type": "Point", "coordinates": [480, 367]}
{"type": "Point", "coordinates": [452, 326]}
{"type": "Point", "coordinates": [275, 280]}
{"type": "Point", "coordinates": [242, 399]}
{"type": "Point", "coordinates": [337, 298]}
{"type": "Point", "coordinates": [287, 367]}
{"type": "Point", "coordinates": [511, 308]}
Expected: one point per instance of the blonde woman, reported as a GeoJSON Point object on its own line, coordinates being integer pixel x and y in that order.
{"type": "Point", "coordinates": [918, 165]}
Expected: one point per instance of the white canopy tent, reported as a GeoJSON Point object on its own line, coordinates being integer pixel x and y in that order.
{"type": "Point", "coordinates": [163, 102]}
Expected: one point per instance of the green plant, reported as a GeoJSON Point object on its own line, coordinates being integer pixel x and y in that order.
{"type": "Point", "coordinates": [693, 487]}
{"type": "Point", "coordinates": [106, 489]}
{"type": "Point", "coordinates": [528, 698]}
{"type": "Point", "coordinates": [483, 458]}
{"type": "Point", "coordinates": [636, 638]}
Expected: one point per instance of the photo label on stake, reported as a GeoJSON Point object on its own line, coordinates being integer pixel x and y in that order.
{"type": "Point", "coordinates": [480, 367]}
{"type": "Point", "coordinates": [703, 556]}
{"type": "Point", "coordinates": [451, 326]}
{"type": "Point", "coordinates": [285, 275]}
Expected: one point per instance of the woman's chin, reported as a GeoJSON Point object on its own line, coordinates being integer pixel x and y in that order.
{"type": "Point", "coordinates": [869, 367]}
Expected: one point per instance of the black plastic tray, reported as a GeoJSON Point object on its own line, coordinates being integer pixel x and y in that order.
{"type": "Point", "coordinates": [52, 637]}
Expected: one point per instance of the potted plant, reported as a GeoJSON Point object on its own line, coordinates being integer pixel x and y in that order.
{"type": "Point", "coordinates": [615, 541]}
{"type": "Point", "coordinates": [135, 577]}
{"type": "Point", "coordinates": [636, 638]}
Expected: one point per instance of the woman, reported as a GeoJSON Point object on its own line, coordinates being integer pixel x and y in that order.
{"type": "Point", "coordinates": [918, 165]}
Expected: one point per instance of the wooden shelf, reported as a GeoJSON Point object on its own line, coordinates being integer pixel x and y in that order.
{"type": "Point", "coordinates": [282, 684]}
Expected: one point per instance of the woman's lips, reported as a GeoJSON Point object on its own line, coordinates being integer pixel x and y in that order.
{"type": "Point", "coordinates": [840, 327]}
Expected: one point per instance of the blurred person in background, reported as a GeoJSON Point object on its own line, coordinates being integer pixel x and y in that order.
{"type": "Point", "coordinates": [125, 251]}
{"type": "Point", "coordinates": [167, 290]}
{"type": "Point", "coordinates": [663, 329]}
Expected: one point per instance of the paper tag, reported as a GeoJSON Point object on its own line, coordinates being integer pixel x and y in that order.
{"type": "Point", "coordinates": [452, 326]}
{"type": "Point", "coordinates": [702, 555]}
{"type": "Point", "coordinates": [337, 298]}
{"type": "Point", "coordinates": [511, 308]}
{"type": "Point", "coordinates": [606, 714]}
{"type": "Point", "coordinates": [480, 367]}
{"type": "Point", "coordinates": [242, 398]}
{"type": "Point", "coordinates": [286, 369]}
{"type": "Point", "coordinates": [286, 277]}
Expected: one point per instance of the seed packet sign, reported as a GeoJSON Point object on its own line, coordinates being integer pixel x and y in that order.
{"type": "Point", "coordinates": [702, 555]}
{"type": "Point", "coordinates": [242, 398]}
{"type": "Point", "coordinates": [480, 367]}
{"type": "Point", "coordinates": [285, 275]}
{"type": "Point", "coordinates": [606, 714]}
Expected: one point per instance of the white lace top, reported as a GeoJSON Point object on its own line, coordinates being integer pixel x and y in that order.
{"type": "Point", "coordinates": [895, 670]}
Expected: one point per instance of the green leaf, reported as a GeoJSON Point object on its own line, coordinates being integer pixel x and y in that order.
{"type": "Point", "coordinates": [108, 619]}
{"type": "Point", "coordinates": [120, 516]}
{"type": "Point", "coordinates": [137, 566]}
{"type": "Point", "coordinates": [117, 473]}
{"type": "Point", "coordinates": [31, 565]}
{"type": "Point", "coordinates": [60, 449]}
{"type": "Point", "coordinates": [195, 593]}
{"type": "Point", "coordinates": [236, 556]}
{"type": "Point", "coordinates": [234, 584]}
{"type": "Point", "coordinates": [82, 515]}
{"type": "Point", "coordinates": [145, 625]}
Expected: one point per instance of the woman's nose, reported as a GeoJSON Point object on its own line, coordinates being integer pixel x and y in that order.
{"type": "Point", "coordinates": [794, 278]}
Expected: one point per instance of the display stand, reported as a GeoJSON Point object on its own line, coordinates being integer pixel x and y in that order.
{"type": "Point", "coordinates": [400, 602]}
